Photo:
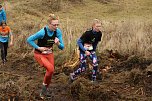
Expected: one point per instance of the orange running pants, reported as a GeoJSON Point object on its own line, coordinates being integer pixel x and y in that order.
{"type": "Point", "coordinates": [46, 61]}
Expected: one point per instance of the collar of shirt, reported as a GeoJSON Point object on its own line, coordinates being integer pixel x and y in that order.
{"type": "Point", "coordinates": [94, 32]}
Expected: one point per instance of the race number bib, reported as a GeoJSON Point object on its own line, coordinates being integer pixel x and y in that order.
{"type": "Point", "coordinates": [49, 51]}
{"type": "Point", "coordinates": [4, 35]}
{"type": "Point", "coordinates": [88, 46]}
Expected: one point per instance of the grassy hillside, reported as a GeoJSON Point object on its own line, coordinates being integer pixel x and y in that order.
{"type": "Point", "coordinates": [124, 74]}
{"type": "Point", "coordinates": [126, 24]}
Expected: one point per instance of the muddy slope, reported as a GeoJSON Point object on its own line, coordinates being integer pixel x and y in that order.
{"type": "Point", "coordinates": [120, 78]}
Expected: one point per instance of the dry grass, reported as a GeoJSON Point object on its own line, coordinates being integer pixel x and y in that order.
{"type": "Point", "coordinates": [129, 36]}
{"type": "Point", "coordinates": [127, 28]}
{"type": "Point", "coordinates": [126, 24]}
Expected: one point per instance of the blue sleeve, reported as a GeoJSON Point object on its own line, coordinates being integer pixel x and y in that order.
{"type": "Point", "coordinates": [59, 36]}
{"type": "Point", "coordinates": [4, 15]}
{"type": "Point", "coordinates": [31, 39]}
{"type": "Point", "coordinates": [79, 42]}
{"type": "Point", "coordinates": [95, 46]}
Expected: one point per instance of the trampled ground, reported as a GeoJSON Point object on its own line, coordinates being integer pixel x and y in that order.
{"type": "Point", "coordinates": [128, 79]}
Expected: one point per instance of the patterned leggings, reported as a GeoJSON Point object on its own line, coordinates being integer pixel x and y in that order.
{"type": "Point", "coordinates": [82, 66]}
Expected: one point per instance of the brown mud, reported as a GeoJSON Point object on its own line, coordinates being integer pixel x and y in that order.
{"type": "Point", "coordinates": [120, 78]}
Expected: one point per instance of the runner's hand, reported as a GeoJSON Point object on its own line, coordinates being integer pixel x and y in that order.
{"type": "Point", "coordinates": [56, 41]}
{"type": "Point", "coordinates": [87, 53]}
{"type": "Point", "coordinates": [11, 44]}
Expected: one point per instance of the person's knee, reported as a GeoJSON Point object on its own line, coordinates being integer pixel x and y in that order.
{"type": "Point", "coordinates": [95, 63]}
{"type": "Point", "coordinates": [83, 61]}
{"type": "Point", "coordinates": [50, 69]}
{"type": "Point", "coordinates": [49, 72]}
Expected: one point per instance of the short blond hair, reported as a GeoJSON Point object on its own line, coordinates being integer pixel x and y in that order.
{"type": "Point", "coordinates": [52, 17]}
{"type": "Point", "coordinates": [95, 21]}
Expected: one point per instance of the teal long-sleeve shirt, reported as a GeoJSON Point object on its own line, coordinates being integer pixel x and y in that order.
{"type": "Point", "coordinates": [2, 15]}
{"type": "Point", "coordinates": [40, 34]}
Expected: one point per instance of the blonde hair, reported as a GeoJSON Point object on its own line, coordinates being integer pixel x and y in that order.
{"type": "Point", "coordinates": [52, 17]}
{"type": "Point", "coordinates": [95, 21]}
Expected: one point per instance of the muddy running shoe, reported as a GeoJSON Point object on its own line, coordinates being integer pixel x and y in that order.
{"type": "Point", "coordinates": [44, 93]}
{"type": "Point", "coordinates": [93, 80]}
{"type": "Point", "coordinates": [72, 76]}
{"type": "Point", "coordinates": [4, 62]}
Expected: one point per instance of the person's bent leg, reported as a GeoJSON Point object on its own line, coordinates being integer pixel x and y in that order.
{"type": "Point", "coordinates": [82, 66]}
{"type": "Point", "coordinates": [95, 65]}
{"type": "Point", "coordinates": [47, 61]}
{"type": "Point", "coordinates": [49, 65]}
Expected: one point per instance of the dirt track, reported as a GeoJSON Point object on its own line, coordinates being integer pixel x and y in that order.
{"type": "Point", "coordinates": [129, 79]}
